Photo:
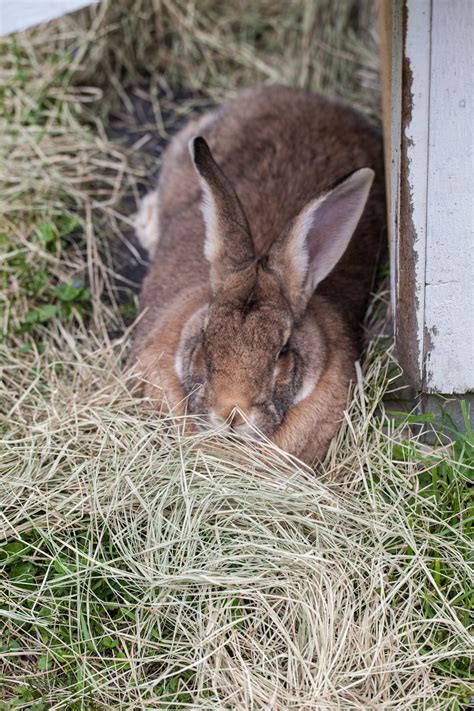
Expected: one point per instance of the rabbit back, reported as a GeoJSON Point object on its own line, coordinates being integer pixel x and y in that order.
{"type": "Point", "coordinates": [280, 147]}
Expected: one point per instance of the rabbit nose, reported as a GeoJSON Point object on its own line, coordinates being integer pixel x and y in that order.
{"type": "Point", "coordinates": [229, 412]}
{"type": "Point", "coordinates": [231, 417]}
{"type": "Point", "coordinates": [235, 419]}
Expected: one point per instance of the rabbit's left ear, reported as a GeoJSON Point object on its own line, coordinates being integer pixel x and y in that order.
{"type": "Point", "coordinates": [228, 244]}
{"type": "Point", "coordinates": [316, 239]}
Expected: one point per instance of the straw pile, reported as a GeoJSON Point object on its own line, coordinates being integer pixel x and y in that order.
{"type": "Point", "coordinates": [142, 568]}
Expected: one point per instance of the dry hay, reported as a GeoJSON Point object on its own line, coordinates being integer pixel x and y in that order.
{"type": "Point", "coordinates": [164, 571]}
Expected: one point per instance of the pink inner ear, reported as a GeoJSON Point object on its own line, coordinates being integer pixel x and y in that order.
{"type": "Point", "coordinates": [323, 231]}
{"type": "Point", "coordinates": [330, 222]}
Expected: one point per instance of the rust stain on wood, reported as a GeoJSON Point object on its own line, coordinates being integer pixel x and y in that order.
{"type": "Point", "coordinates": [407, 334]}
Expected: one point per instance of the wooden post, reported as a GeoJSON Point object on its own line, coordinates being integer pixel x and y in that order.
{"type": "Point", "coordinates": [428, 73]}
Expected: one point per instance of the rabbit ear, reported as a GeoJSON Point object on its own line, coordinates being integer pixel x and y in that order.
{"type": "Point", "coordinates": [228, 245]}
{"type": "Point", "coordinates": [318, 237]}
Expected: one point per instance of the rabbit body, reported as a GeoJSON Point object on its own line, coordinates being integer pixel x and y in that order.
{"type": "Point", "coordinates": [261, 273]}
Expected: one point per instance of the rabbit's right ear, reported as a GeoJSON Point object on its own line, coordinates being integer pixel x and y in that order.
{"type": "Point", "coordinates": [228, 245]}
{"type": "Point", "coordinates": [317, 238]}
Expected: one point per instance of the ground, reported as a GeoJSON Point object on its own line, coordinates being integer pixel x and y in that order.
{"type": "Point", "coordinates": [145, 569]}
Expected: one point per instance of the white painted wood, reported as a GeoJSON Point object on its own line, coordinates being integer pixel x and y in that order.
{"type": "Point", "coordinates": [449, 275]}
{"type": "Point", "coordinates": [16, 15]}
{"type": "Point", "coordinates": [431, 200]}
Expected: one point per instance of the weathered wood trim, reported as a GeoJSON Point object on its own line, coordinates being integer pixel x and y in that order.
{"type": "Point", "coordinates": [429, 136]}
{"type": "Point", "coordinates": [411, 232]}
{"type": "Point", "coordinates": [391, 48]}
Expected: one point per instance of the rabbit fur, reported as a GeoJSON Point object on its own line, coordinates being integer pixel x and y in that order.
{"type": "Point", "coordinates": [265, 232]}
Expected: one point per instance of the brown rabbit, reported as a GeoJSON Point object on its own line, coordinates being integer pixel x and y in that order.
{"type": "Point", "coordinates": [264, 254]}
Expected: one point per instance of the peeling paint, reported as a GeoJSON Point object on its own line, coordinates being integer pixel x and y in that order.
{"type": "Point", "coordinates": [412, 213]}
{"type": "Point", "coordinates": [431, 208]}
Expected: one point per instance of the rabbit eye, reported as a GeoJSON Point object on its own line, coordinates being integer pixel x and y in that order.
{"type": "Point", "coordinates": [284, 351]}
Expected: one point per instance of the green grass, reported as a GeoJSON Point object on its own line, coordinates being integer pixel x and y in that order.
{"type": "Point", "coordinates": [143, 569]}
{"type": "Point", "coordinates": [39, 297]}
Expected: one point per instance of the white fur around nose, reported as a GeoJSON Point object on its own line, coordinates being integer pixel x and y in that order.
{"type": "Point", "coordinates": [247, 427]}
{"type": "Point", "coordinates": [179, 366]}
{"type": "Point", "coordinates": [146, 222]}
{"type": "Point", "coordinates": [305, 390]}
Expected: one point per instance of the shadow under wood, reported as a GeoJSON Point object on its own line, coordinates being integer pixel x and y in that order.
{"type": "Point", "coordinates": [145, 124]}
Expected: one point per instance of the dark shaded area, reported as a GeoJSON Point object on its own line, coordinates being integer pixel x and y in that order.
{"type": "Point", "coordinates": [145, 122]}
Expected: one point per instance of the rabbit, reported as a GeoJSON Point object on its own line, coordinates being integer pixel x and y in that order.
{"type": "Point", "coordinates": [265, 232]}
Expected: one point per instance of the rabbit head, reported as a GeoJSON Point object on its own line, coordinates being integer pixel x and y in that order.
{"type": "Point", "coordinates": [256, 349]}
